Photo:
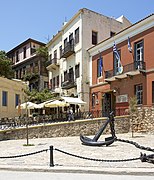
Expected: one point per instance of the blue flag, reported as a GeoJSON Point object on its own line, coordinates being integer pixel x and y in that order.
{"type": "Point", "coordinates": [129, 45]}
{"type": "Point", "coordinates": [100, 65]}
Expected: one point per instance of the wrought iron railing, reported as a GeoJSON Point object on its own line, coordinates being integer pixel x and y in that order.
{"type": "Point", "coordinates": [137, 65]}
{"type": "Point", "coordinates": [68, 83]}
{"type": "Point", "coordinates": [68, 50]}
{"type": "Point", "coordinates": [6, 123]}
{"type": "Point", "coordinates": [52, 61]}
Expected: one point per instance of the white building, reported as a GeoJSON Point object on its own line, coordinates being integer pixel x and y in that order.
{"type": "Point", "coordinates": [68, 64]}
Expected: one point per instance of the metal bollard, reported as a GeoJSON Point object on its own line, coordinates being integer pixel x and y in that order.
{"type": "Point", "coordinates": [51, 156]}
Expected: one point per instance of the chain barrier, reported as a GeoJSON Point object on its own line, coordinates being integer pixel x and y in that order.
{"type": "Point", "coordinates": [136, 145]}
{"type": "Point", "coordinates": [92, 159]}
{"type": "Point", "coordinates": [22, 155]}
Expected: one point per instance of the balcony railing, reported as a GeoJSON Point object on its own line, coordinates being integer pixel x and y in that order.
{"type": "Point", "coordinates": [70, 83]}
{"type": "Point", "coordinates": [68, 50]}
{"type": "Point", "coordinates": [52, 62]}
{"type": "Point", "coordinates": [127, 68]}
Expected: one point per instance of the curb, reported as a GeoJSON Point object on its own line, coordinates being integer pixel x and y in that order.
{"type": "Point", "coordinates": [87, 170]}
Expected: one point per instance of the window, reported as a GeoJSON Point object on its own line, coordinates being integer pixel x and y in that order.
{"type": "Point", "coordinates": [20, 73]}
{"type": "Point", "coordinates": [139, 93]}
{"type": "Point", "coordinates": [4, 98]}
{"type": "Point", "coordinates": [65, 43]}
{"type": "Point", "coordinates": [16, 74]}
{"type": "Point", "coordinates": [65, 76]}
{"type": "Point", "coordinates": [17, 99]}
{"type": "Point", "coordinates": [116, 61]}
{"type": "Point", "coordinates": [112, 33]}
{"type": "Point", "coordinates": [77, 35]}
{"type": "Point", "coordinates": [17, 56]}
{"type": "Point", "coordinates": [93, 101]}
{"type": "Point", "coordinates": [71, 41]}
{"type": "Point", "coordinates": [77, 71]}
{"type": "Point", "coordinates": [94, 37]}
{"type": "Point", "coordinates": [50, 86]}
{"type": "Point", "coordinates": [138, 54]}
{"type": "Point", "coordinates": [71, 75]}
{"type": "Point", "coordinates": [45, 84]}
{"type": "Point", "coordinates": [152, 91]}
{"type": "Point", "coordinates": [99, 67]}
{"type": "Point", "coordinates": [58, 81]}
{"type": "Point", "coordinates": [50, 56]}
{"type": "Point", "coordinates": [54, 83]}
{"type": "Point", "coordinates": [60, 51]}
{"type": "Point", "coordinates": [24, 70]}
{"type": "Point", "coordinates": [55, 54]}
{"type": "Point", "coordinates": [24, 52]}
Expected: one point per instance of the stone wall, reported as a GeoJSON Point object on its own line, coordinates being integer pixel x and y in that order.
{"type": "Point", "coordinates": [74, 128]}
{"type": "Point", "coordinates": [143, 120]}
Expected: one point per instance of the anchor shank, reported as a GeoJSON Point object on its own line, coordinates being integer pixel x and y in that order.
{"type": "Point", "coordinates": [96, 137]}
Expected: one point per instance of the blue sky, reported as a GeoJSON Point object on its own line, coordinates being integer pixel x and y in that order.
{"type": "Point", "coordinates": [41, 19]}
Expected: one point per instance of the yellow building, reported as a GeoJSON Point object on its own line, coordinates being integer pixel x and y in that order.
{"type": "Point", "coordinates": [11, 93]}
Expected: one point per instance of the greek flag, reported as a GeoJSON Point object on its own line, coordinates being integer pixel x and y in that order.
{"type": "Point", "coordinates": [115, 51]}
{"type": "Point", "coordinates": [129, 45]}
{"type": "Point", "coordinates": [119, 65]}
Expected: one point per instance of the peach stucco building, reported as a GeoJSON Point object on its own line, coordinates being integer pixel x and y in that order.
{"type": "Point", "coordinates": [111, 89]}
{"type": "Point", "coordinates": [11, 91]}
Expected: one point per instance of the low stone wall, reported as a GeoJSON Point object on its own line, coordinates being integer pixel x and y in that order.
{"type": "Point", "coordinates": [143, 120]}
{"type": "Point", "coordinates": [74, 128]}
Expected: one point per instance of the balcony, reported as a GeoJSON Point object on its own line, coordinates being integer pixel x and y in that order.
{"type": "Point", "coordinates": [68, 50]}
{"type": "Point", "coordinates": [52, 63]}
{"type": "Point", "coordinates": [128, 70]}
{"type": "Point", "coordinates": [70, 83]}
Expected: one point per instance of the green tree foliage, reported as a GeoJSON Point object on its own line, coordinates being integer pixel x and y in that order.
{"type": "Point", "coordinates": [133, 105]}
{"type": "Point", "coordinates": [5, 65]}
{"type": "Point", "coordinates": [42, 51]}
{"type": "Point", "coordinates": [38, 97]}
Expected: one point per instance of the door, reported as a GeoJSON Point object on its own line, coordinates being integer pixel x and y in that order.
{"type": "Point", "coordinates": [108, 103]}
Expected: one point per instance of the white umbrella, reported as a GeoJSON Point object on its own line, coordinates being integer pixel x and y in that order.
{"type": "Point", "coordinates": [56, 103]}
{"type": "Point", "coordinates": [42, 105]}
{"type": "Point", "coordinates": [27, 105]}
{"type": "Point", "coordinates": [72, 100]}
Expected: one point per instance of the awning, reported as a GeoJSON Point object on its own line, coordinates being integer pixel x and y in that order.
{"type": "Point", "coordinates": [56, 103]}
{"type": "Point", "coordinates": [72, 100]}
{"type": "Point", "coordinates": [27, 105]}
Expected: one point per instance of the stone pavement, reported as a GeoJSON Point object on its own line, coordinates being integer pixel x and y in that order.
{"type": "Point", "coordinates": [65, 163]}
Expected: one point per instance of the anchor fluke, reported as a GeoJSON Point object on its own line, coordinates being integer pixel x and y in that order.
{"type": "Point", "coordinates": [109, 140]}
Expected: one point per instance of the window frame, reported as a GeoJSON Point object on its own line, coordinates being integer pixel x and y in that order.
{"type": "Point", "coordinates": [139, 54]}
{"type": "Point", "coordinates": [24, 52]}
{"type": "Point", "coordinates": [139, 93]}
{"type": "Point", "coordinates": [77, 71]}
{"type": "Point", "coordinates": [17, 99]}
{"type": "Point", "coordinates": [94, 37]}
{"type": "Point", "coordinates": [99, 73]}
{"type": "Point", "coordinates": [115, 62]}
{"type": "Point", "coordinates": [4, 98]}
{"type": "Point", "coordinates": [77, 36]}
